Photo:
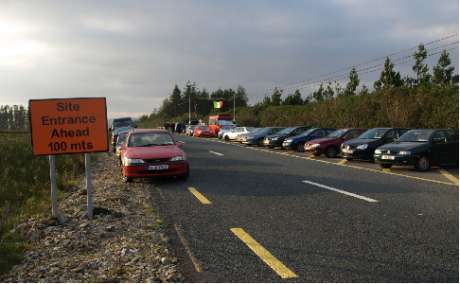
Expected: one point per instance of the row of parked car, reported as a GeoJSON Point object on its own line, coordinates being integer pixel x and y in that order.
{"type": "Point", "coordinates": [421, 148]}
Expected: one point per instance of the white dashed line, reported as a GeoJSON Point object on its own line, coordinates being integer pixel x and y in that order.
{"type": "Point", "coordinates": [216, 153]}
{"type": "Point", "coordinates": [340, 191]}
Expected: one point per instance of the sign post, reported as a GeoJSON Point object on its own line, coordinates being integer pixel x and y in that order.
{"type": "Point", "coordinates": [54, 208]}
{"type": "Point", "coordinates": [69, 126]}
{"type": "Point", "coordinates": [89, 186]}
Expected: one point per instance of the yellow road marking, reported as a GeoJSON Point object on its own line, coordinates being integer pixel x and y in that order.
{"type": "Point", "coordinates": [264, 254]}
{"type": "Point", "coordinates": [342, 162]}
{"type": "Point", "coordinates": [199, 196]}
{"type": "Point", "coordinates": [449, 176]}
{"type": "Point", "coordinates": [386, 170]}
{"type": "Point", "coordinates": [184, 242]}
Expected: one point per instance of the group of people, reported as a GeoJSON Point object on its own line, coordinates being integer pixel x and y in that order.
{"type": "Point", "coordinates": [177, 127]}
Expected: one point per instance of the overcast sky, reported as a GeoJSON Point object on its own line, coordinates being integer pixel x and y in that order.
{"type": "Point", "coordinates": [133, 52]}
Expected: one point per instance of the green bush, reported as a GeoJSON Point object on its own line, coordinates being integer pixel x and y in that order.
{"type": "Point", "coordinates": [25, 188]}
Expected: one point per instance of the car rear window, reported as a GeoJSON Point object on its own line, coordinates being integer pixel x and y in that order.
{"type": "Point", "coordinates": [122, 122]}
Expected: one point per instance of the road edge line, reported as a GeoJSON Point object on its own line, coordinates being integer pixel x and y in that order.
{"type": "Point", "coordinates": [186, 245]}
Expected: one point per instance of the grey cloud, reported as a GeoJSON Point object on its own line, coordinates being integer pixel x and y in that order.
{"type": "Point", "coordinates": [133, 52]}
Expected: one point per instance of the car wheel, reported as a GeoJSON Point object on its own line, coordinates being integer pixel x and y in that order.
{"type": "Point", "coordinates": [331, 152]}
{"type": "Point", "coordinates": [386, 166]}
{"type": "Point", "coordinates": [423, 164]}
{"type": "Point", "coordinates": [226, 138]}
{"type": "Point", "coordinates": [349, 159]}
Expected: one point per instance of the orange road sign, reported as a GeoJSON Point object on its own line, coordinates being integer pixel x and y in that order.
{"type": "Point", "coordinates": [71, 125]}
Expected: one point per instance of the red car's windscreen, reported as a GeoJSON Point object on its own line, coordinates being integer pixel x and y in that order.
{"type": "Point", "coordinates": [150, 139]}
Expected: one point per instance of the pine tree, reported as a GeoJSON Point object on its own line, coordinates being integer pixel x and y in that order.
{"type": "Point", "coordinates": [318, 95]}
{"type": "Point", "coordinates": [388, 77]}
{"type": "Point", "coordinates": [421, 69]}
{"type": "Point", "coordinates": [175, 100]}
{"type": "Point", "coordinates": [276, 97]}
{"type": "Point", "coordinates": [352, 84]}
{"type": "Point", "coordinates": [442, 72]}
{"type": "Point", "coordinates": [293, 99]}
{"type": "Point", "coordinates": [328, 93]}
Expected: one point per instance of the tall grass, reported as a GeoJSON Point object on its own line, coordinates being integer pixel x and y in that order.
{"type": "Point", "coordinates": [25, 187]}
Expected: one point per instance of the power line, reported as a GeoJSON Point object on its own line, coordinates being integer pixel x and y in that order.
{"type": "Point", "coordinates": [341, 74]}
{"type": "Point", "coordinates": [402, 60]}
{"type": "Point", "coordinates": [341, 70]}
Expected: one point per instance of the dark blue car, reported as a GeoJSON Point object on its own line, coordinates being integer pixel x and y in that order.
{"type": "Point", "coordinates": [297, 142]}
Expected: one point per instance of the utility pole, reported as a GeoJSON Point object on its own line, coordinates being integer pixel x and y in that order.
{"type": "Point", "coordinates": [234, 110]}
{"type": "Point", "coordinates": [189, 110]}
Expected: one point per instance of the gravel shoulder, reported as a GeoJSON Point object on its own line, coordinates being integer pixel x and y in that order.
{"type": "Point", "coordinates": [125, 242]}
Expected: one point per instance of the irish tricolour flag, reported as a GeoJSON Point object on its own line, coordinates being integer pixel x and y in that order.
{"type": "Point", "coordinates": [218, 104]}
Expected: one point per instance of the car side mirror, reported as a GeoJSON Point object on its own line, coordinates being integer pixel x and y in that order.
{"type": "Point", "coordinates": [110, 129]}
{"type": "Point", "coordinates": [134, 125]}
{"type": "Point", "coordinates": [180, 144]}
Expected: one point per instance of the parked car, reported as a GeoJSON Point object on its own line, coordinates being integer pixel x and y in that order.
{"type": "Point", "coordinates": [153, 152]}
{"type": "Point", "coordinates": [189, 129]}
{"type": "Point", "coordinates": [330, 145]}
{"type": "Point", "coordinates": [297, 142]}
{"type": "Point", "coordinates": [421, 148]}
{"type": "Point", "coordinates": [121, 139]}
{"type": "Point", "coordinates": [363, 147]}
{"type": "Point", "coordinates": [202, 131]}
{"type": "Point", "coordinates": [257, 137]}
{"type": "Point", "coordinates": [223, 129]}
{"type": "Point", "coordinates": [122, 122]}
{"type": "Point", "coordinates": [276, 140]}
{"type": "Point", "coordinates": [240, 138]}
{"type": "Point", "coordinates": [115, 133]}
{"type": "Point", "coordinates": [233, 134]}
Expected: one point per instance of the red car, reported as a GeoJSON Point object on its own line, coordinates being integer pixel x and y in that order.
{"type": "Point", "coordinates": [202, 131]}
{"type": "Point", "coordinates": [330, 145]}
{"type": "Point", "coordinates": [151, 153]}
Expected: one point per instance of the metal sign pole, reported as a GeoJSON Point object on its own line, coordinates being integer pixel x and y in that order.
{"type": "Point", "coordinates": [89, 186]}
{"type": "Point", "coordinates": [54, 207]}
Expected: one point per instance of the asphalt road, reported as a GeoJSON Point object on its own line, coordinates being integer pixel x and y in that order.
{"type": "Point", "coordinates": [306, 221]}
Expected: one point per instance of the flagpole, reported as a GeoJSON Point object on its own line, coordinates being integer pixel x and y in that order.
{"type": "Point", "coordinates": [189, 113]}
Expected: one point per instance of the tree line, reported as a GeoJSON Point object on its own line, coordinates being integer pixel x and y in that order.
{"type": "Point", "coordinates": [428, 98]}
{"type": "Point", "coordinates": [176, 105]}
{"type": "Point", "coordinates": [14, 117]}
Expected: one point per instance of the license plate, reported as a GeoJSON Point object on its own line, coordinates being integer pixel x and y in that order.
{"type": "Point", "coordinates": [388, 157]}
{"type": "Point", "coordinates": [158, 167]}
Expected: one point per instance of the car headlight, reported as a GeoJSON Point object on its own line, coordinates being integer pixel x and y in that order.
{"type": "Point", "coordinates": [362, 147]}
{"type": "Point", "coordinates": [314, 145]}
{"type": "Point", "coordinates": [131, 162]}
{"type": "Point", "coordinates": [404, 153]}
{"type": "Point", "coordinates": [378, 151]}
{"type": "Point", "coordinates": [288, 140]}
{"type": "Point", "coordinates": [177, 158]}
